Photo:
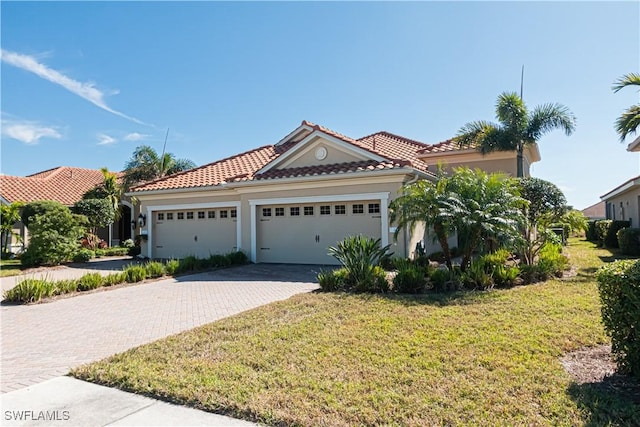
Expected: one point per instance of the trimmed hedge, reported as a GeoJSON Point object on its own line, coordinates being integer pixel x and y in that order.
{"type": "Point", "coordinates": [611, 238]}
{"type": "Point", "coordinates": [619, 288]}
{"type": "Point", "coordinates": [591, 233]}
{"type": "Point", "coordinates": [629, 241]}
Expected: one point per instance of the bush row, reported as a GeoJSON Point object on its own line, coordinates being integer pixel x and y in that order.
{"type": "Point", "coordinates": [33, 290]}
{"type": "Point", "coordinates": [486, 272]}
{"type": "Point", "coordinates": [84, 255]}
{"type": "Point", "coordinates": [619, 289]}
{"type": "Point", "coordinates": [605, 232]}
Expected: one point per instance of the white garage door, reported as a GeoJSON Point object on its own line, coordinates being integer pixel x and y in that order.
{"type": "Point", "coordinates": [202, 232]}
{"type": "Point", "coordinates": [302, 233]}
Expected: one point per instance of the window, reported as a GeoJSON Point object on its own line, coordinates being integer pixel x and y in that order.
{"type": "Point", "coordinates": [294, 211]}
{"type": "Point", "coordinates": [169, 216]}
{"type": "Point", "coordinates": [308, 210]}
{"type": "Point", "coordinates": [234, 213]}
{"type": "Point", "coordinates": [223, 214]}
{"type": "Point", "coordinates": [340, 209]}
{"type": "Point", "coordinates": [325, 210]}
{"type": "Point", "coordinates": [160, 216]}
{"type": "Point", "coordinates": [212, 214]}
{"type": "Point", "coordinates": [189, 215]}
{"type": "Point", "coordinates": [201, 215]}
{"type": "Point", "coordinates": [266, 211]}
{"type": "Point", "coordinates": [358, 209]}
{"type": "Point", "coordinates": [279, 211]}
{"type": "Point", "coordinates": [374, 208]}
{"type": "Point", "coordinates": [180, 215]}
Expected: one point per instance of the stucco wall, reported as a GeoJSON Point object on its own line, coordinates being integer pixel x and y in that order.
{"type": "Point", "coordinates": [625, 207]}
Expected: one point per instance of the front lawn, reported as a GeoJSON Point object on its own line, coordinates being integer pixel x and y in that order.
{"type": "Point", "coordinates": [10, 267]}
{"type": "Point", "coordinates": [488, 358]}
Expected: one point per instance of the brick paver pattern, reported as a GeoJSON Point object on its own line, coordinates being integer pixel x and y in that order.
{"type": "Point", "coordinates": [43, 341]}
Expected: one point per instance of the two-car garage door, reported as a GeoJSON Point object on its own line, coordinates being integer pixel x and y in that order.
{"type": "Point", "coordinates": [302, 233]}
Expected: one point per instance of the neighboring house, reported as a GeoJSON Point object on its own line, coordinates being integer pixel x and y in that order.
{"type": "Point", "coordinates": [623, 202]}
{"type": "Point", "coordinates": [63, 184]}
{"type": "Point", "coordinates": [288, 202]}
{"type": "Point", "coordinates": [595, 212]}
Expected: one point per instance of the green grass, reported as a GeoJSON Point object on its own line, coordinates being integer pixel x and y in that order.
{"type": "Point", "coordinates": [10, 267]}
{"type": "Point", "coordinates": [327, 359]}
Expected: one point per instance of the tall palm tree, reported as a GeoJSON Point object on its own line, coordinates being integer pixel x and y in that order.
{"type": "Point", "coordinates": [517, 127]}
{"type": "Point", "coordinates": [145, 165]}
{"type": "Point", "coordinates": [629, 121]}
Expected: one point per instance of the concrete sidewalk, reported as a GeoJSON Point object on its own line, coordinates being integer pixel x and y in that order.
{"type": "Point", "coordinates": [66, 401]}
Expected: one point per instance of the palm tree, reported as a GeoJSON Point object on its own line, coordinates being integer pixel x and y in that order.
{"type": "Point", "coordinates": [9, 215]}
{"type": "Point", "coordinates": [145, 165]}
{"type": "Point", "coordinates": [517, 127]}
{"type": "Point", "coordinates": [110, 189]}
{"type": "Point", "coordinates": [629, 121]}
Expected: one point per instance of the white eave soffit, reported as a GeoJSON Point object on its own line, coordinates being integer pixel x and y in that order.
{"type": "Point", "coordinates": [309, 138]}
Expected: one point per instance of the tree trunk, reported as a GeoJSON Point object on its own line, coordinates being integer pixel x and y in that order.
{"type": "Point", "coordinates": [520, 161]}
{"type": "Point", "coordinates": [444, 244]}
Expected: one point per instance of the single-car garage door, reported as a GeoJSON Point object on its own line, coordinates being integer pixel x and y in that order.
{"type": "Point", "coordinates": [302, 233]}
{"type": "Point", "coordinates": [201, 232]}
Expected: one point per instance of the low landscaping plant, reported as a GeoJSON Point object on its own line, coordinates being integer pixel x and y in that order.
{"type": "Point", "coordinates": [591, 234]}
{"type": "Point", "coordinates": [629, 241]}
{"type": "Point", "coordinates": [154, 269]}
{"type": "Point", "coordinates": [66, 286]}
{"type": "Point", "coordinates": [611, 238]}
{"type": "Point", "coordinates": [135, 273]}
{"type": "Point", "coordinates": [360, 256]}
{"type": "Point", "coordinates": [476, 276]}
{"type": "Point", "coordinates": [83, 255]}
{"type": "Point", "coordinates": [332, 280]}
{"type": "Point", "coordinates": [30, 290]}
{"type": "Point", "coordinates": [189, 263]}
{"type": "Point", "coordinates": [444, 280]}
{"type": "Point", "coordinates": [90, 281]}
{"type": "Point", "coordinates": [237, 258]}
{"type": "Point", "coordinates": [218, 261]}
{"type": "Point", "coordinates": [172, 266]}
{"type": "Point", "coordinates": [619, 288]}
{"type": "Point", "coordinates": [113, 279]}
{"type": "Point", "coordinates": [410, 278]}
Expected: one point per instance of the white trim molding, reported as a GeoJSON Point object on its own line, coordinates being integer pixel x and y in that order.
{"type": "Point", "coordinates": [384, 211]}
{"type": "Point", "coordinates": [149, 210]}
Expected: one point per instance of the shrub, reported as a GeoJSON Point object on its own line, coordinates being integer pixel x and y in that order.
{"type": "Point", "coordinates": [591, 233]}
{"type": "Point", "coordinates": [83, 255]}
{"type": "Point", "coordinates": [114, 279]}
{"type": "Point", "coordinates": [602, 227]}
{"type": "Point", "coordinates": [134, 251]}
{"type": "Point", "coordinates": [89, 281]}
{"type": "Point", "coordinates": [551, 262]}
{"type": "Point", "coordinates": [444, 280]}
{"type": "Point", "coordinates": [66, 286]}
{"type": "Point", "coordinates": [410, 278]}
{"type": "Point", "coordinates": [360, 255]}
{"type": "Point", "coordinates": [154, 269]}
{"type": "Point", "coordinates": [172, 266]}
{"type": "Point", "coordinates": [237, 258]}
{"type": "Point", "coordinates": [30, 290]}
{"type": "Point", "coordinates": [219, 261]}
{"type": "Point", "coordinates": [629, 241]}
{"type": "Point", "coordinates": [332, 280]}
{"type": "Point", "coordinates": [99, 253]}
{"type": "Point", "coordinates": [188, 263]}
{"type": "Point", "coordinates": [505, 275]}
{"type": "Point", "coordinates": [619, 288]}
{"type": "Point", "coordinates": [127, 243]}
{"type": "Point", "coordinates": [611, 238]}
{"type": "Point", "coordinates": [134, 273]}
{"type": "Point", "coordinates": [477, 277]}
{"type": "Point", "coordinates": [495, 259]}
{"type": "Point", "coordinates": [115, 251]}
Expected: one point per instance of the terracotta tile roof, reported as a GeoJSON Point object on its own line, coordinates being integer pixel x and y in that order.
{"type": "Point", "coordinates": [442, 147]}
{"type": "Point", "coordinates": [363, 166]}
{"type": "Point", "coordinates": [395, 151]}
{"type": "Point", "coordinates": [63, 184]}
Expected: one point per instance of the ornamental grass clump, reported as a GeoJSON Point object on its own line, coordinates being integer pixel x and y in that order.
{"type": "Point", "coordinates": [135, 273]}
{"type": "Point", "coordinates": [154, 269]}
{"type": "Point", "coordinates": [90, 281]}
{"type": "Point", "coordinates": [30, 290]}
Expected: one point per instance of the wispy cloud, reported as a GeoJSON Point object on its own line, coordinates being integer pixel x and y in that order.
{"type": "Point", "coordinates": [135, 136]}
{"type": "Point", "coordinates": [28, 132]}
{"type": "Point", "coordinates": [86, 90]}
{"type": "Point", "coordinates": [104, 139]}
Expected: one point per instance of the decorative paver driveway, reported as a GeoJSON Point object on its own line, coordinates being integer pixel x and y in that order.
{"type": "Point", "coordinates": [43, 341]}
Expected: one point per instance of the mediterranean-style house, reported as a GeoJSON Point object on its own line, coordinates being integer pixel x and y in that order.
{"type": "Point", "coordinates": [63, 184]}
{"type": "Point", "coordinates": [623, 202]}
{"type": "Point", "coordinates": [288, 202]}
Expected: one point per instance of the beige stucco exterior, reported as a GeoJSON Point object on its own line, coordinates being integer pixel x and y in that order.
{"type": "Point", "coordinates": [623, 202]}
{"type": "Point", "coordinates": [499, 161]}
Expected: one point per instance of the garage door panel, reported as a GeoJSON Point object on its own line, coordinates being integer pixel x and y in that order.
{"type": "Point", "coordinates": [177, 234]}
{"type": "Point", "coordinates": [306, 237]}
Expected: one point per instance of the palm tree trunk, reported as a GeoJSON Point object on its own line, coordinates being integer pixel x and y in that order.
{"type": "Point", "coordinates": [444, 244]}
{"type": "Point", "coordinates": [520, 160]}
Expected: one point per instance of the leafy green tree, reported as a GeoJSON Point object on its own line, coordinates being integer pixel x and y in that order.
{"type": "Point", "coordinates": [40, 207]}
{"type": "Point", "coordinates": [9, 215]}
{"type": "Point", "coordinates": [110, 189]}
{"type": "Point", "coordinates": [517, 127]}
{"type": "Point", "coordinates": [576, 221]}
{"type": "Point", "coordinates": [146, 164]}
{"type": "Point", "coordinates": [629, 121]}
{"type": "Point", "coordinates": [99, 213]}
{"type": "Point", "coordinates": [547, 204]}
{"type": "Point", "coordinates": [428, 203]}
{"type": "Point", "coordinates": [488, 208]}
{"type": "Point", "coordinates": [54, 236]}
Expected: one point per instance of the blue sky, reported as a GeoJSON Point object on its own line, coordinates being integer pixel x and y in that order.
{"type": "Point", "coordinates": [84, 83]}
